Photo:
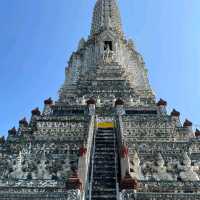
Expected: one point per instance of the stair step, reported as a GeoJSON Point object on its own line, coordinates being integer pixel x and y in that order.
{"type": "Point", "coordinates": [104, 178]}
{"type": "Point", "coordinates": [105, 173]}
{"type": "Point", "coordinates": [105, 145]}
{"type": "Point", "coordinates": [105, 167]}
{"type": "Point", "coordinates": [103, 198]}
{"type": "Point", "coordinates": [105, 139]}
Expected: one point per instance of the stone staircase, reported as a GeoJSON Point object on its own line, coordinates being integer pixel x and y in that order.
{"type": "Point", "coordinates": [104, 166]}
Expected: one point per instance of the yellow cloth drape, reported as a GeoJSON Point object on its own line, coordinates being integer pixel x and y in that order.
{"type": "Point", "coordinates": [105, 125]}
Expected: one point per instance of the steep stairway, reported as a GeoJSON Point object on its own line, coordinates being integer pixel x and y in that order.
{"type": "Point", "coordinates": [104, 165]}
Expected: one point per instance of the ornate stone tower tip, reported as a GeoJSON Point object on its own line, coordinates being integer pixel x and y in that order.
{"type": "Point", "coordinates": [106, 15]}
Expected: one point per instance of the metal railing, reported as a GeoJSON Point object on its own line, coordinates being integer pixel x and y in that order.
{"type": "Point", "coordinates": [88, 188]}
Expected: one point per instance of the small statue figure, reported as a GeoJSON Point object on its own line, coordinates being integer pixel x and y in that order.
{"type": "Point", "coordinates": [187, 170]}
{"type": "Point", "coordinates": [161, 169]}
{"type": "Point", "coordinates": [83, 101]}
{"type": "Point", "coordinates": [98, 101]}
{"type": "Point", "coordinates": [136, 166]}
{"type": "Point", "coordinates": [156, 170]}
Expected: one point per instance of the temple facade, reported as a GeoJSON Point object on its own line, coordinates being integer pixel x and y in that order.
{"type": "Point", "coordinates": [105, 137]}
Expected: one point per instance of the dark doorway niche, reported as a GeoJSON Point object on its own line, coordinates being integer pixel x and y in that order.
{"type": "Point", "coordinates": [108, 45]}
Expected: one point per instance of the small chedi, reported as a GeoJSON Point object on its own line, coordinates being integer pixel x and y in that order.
{"type": "Point", "coordinates": [105, 137]}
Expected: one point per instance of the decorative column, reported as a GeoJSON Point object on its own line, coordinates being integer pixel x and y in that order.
{"type": "Point", "coordinates": [119, 106]}
{"type": "Point", "coordinates": [125, 166]}
{"type": "Point", "coordinates": [91, 105]}
{"type": "Point", "coordinates": [175, 116]}
{"type": "Point", "coordinates": [129, 183]}
{"type": "Point", "coordinates": [47, 107]}
{"type": "Point", "coordinates": [131, 102]}
{"type": "Point", "coordinates": [83, 101]}
{"type": "Point", "coordinates": [12, 132]}
{"type": "Point", "coordinates": [74, 182]}
{"type": "Point", "coordinates": [162, 106]}
{"type": "Point", "coordinates": [82, 163]}
{"type": "Point", "coordinates": [23, 124]}
{"type": "Point", "coordinates": [98, 101]}
{"type": "Point", "coordinates": [188, 128]}
{"type": "Point", "coordinates": [36, 113]}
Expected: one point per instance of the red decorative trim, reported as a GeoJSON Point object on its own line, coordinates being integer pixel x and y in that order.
{"type": "Point", "coordinates": [124, 152]}
{"type": "Point", "coordinates": [197, 133]}
{"type": "Point", "coordinates": [36, 112]}
{"type": "Point", "coordinates": [91, 101]}
{"type": "Point", "coordinates": [74, 182]}
{"type": "Point", "coordinates": [162, 102]}
{"type": "Point", "coordinates": [48, 101]}
{"type": "Point", "coordinates": [119, 102]}
{"type": "Point", "coordinates": [129, 183]}
{"type": "Point", "coordinates": [175, 113]}
{"type": "Point", "coordinates": [82, 151]}
{"type": "Point", "coordinates": [187, 123]}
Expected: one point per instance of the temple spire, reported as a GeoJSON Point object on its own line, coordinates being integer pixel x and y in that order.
{"type": "Point", "coordinates": [106, 15]}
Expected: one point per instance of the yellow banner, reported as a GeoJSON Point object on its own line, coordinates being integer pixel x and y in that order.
{"type": "Point", "coordinates": [105, 125]}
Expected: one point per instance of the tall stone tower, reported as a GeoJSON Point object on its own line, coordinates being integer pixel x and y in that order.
{"type": "Point", "coordinates": [106, 137]}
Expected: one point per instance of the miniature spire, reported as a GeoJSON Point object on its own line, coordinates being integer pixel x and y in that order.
{"type": "Point", "coordinates": [197, 133]}
{"type": "Point", "coordinates": [36, 112]}
{"type": "Point", "coordinates": [23, 122]}
{"type": "Point", "coordinates": [175, 113]}
{"type": "Point", "coordinates": [187, 124]}
{"type": "Point", "coordinates": [106, 15]}
{"type": "Point", "coordinates": [162, 102]}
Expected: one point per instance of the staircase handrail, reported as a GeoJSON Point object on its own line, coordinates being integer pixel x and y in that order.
{"type": "Point", "coordinates": [119, 141]}
{"type": "Point", "coordinates": [90, 177]}
{"type": "Point", "coordinates": [89, 158]}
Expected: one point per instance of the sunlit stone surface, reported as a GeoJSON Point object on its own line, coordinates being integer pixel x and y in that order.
{"type": "Point", "coordinates": [105, 137]}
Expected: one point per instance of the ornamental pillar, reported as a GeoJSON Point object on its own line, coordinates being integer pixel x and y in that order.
{"type": "Point", "coordinates": [188, 128]}
{"type": "Point", "coordinates": [23, 124]}
{"type": "Point", "coordinates": [125, 166]}
{"type": "Point", "coordinates": [91, 106]}
{"type": "Point", "coordinates": [74, 182]}
{"type": "Point", "coordinates": [35, 113]}
{"type": "Point", "coordinates": [175, 117]}
{"type": "Point", "coordinates": [119, 106]}
{"type": "Point", "coordinates": [82, 163]}
{"type": "Point", "coordinates": [47, 106]}
{"type": "Point", "coordinates": [162, 107]}
{"type": "Point", "coordinates": [129, 183]}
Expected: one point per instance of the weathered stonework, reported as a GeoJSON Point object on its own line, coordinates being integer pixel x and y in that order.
{"type": "Point", "coordinates": [105, 137]}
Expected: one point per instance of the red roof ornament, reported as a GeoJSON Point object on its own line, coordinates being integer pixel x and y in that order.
{"type": "Point", "coordinates": [48, 101]}
{"type": "Point", "coordinates": [24, 122]}
{"type": "Point", "coordinates": [119, 102]}
{"type": "Point", "coordinates": [175, 113]}
{"type": "Point", "coordinates": [162, 102]}
{"type": "Point", "coordinates": [91, 101]}
{"type": "Point", "coordinates": [197, 133]}
{"type": "Point", "coordinates": [74, 182]}
{"type": "Point", "coordinates": [82, 151]}
{"type": "Point", "coordinates": [124, 152]}
{"type": "Point", "coordinates": [187, 123]}
{"type": "Point", "coordinates": [129, 183]}
{"type": "Point", "coordinates": [36, 112]}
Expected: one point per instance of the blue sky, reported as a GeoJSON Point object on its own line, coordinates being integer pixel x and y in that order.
{"type": "Point", "coordinates": [37, 38]}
